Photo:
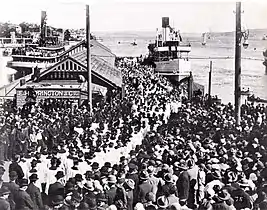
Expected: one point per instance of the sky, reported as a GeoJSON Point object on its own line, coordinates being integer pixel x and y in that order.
{"type": "Point", "coordinates": [137, 15]}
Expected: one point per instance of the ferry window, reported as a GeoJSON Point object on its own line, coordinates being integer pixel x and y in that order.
{"type": "Point", "coordinates": [67, 65]}
{"type": "Point", "coordinates": [75, 66]}
{"type": "Point", "coordinates": [63, 66]}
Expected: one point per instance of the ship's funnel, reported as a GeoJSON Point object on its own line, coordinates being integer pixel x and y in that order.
{"type": "Point", "coordinates": [165, 22]}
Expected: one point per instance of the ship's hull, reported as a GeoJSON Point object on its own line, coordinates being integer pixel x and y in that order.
{"type": "Point", "coordinates": [176, 69]}
{"type": "Point", "coordinates": [25, 68]}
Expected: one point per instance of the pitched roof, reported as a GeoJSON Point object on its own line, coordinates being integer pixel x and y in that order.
{"type": "Point", "coordinates": [100, 66]}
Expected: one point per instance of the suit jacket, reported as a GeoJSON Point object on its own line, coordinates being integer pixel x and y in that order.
{"type": "Point", "coordinates": [143, 189]}
{"type": "Point", "coordinates": [23, 201]}
{"type": "Point", "coordinates": [183, 185]}
{"type": "Point", "coordinates": [111, 194]}
{"type": "Point", "coordinates": [14, 188]}
{"type": "Point", "coordinates": [35, 195]}
{"type": "Point", "coordinates": [4, 205]}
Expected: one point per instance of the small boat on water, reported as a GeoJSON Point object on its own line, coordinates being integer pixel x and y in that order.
{"type": "Point", "coordinates": [134, 43]}
{"type": "Point", "coordinates": [204, 39]}
{"type": "Point", "coordinates": [245, 92]}
{"type": "Point", "coordinates": [256, 99]}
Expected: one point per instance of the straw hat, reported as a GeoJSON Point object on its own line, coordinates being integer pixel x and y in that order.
{"type": "Point", "coordinates": [163, 202]}
{"type": "Point", "coordinates": [130, 183]}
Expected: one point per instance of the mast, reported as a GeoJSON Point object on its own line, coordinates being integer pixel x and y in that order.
{"type": "Point", "coordinates": [43, 28]}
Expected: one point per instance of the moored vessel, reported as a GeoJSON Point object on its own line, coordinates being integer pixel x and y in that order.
{"type": "Point", "coordinates": [169, 54]}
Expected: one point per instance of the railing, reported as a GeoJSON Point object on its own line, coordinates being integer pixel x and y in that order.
{"type": "Point", "coordinates": [34, 59]}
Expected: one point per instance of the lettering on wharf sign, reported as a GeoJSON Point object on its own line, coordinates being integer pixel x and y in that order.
{"type": "Point", "coordinates": [42, 94]}
{"type": "Point", "coordinates": [57, 93]}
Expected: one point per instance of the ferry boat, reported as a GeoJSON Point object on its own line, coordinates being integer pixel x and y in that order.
{"type": "Point", "coordinates": [169, 55]}
{"type": "Point", "coordinates": [41, 54]}
{"type": "Point", "coordinates": [134, 43]}
{"type": "Point", "coordinates": [25, 59]}
{"type": "Point", "coordinates": [256, 99]}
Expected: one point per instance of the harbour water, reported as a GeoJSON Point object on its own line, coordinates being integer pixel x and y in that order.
{"type": "Point", "coordinates": [253, 71]}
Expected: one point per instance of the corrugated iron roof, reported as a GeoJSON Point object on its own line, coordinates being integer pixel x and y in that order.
{"type": "Point", "coordinates": [100, 66]}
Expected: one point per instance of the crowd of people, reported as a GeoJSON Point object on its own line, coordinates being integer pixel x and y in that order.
{"type": "Point", "coordinates": [29, 51]}
{"type": "Point", "coordinates": [141, 149]}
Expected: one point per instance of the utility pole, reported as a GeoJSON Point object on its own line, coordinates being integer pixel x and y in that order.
{"type": "Point", "coordinates": [210, 83]}
{"type": "Point", "coordinates": [238, 38]}
{"type": "Point", "coordinates": [89, 81]}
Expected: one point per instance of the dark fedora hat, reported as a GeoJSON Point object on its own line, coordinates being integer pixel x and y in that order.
{"type": "Point", "coordinates": [4, 191]}
{"type": "Point", "coordinates": [78, 177]}
{"type": "Point", "coordinates": [76, 196]}
{"type": "Point", "coordinates": [89, 174]}
{"type": "Point", "coordinates": [95, 165]}
{"type": "Point", "coordinates": [57, 199]}
{"type": "Point", "coordinates": [101, 197]}
{"type": "Point", "coordinates": [59, 174]}
{"type": "Point", "coordinates": [168, 177]}
{"type": "Point", "coordinates": [33, 177]}
{"type": "Point", "coordinates": [13, 174]}
{"type": "Point", "coordinates": [23, 183]}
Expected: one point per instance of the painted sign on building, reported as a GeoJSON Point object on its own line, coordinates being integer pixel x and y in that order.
{"type": "Point", "coordinates": [48, 93]}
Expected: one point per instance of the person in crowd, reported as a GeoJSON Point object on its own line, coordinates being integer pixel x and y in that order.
{"type": "Point", "coordinates": [35, 192]}
{"type": "Point", "coordinates": [4, 193]}
{"type": "Point", "coordinates": [22, 198]}
{"type": "Point", "coordinates": [57, 188]}
{"type": "Point", "coordinates": [13, 187]}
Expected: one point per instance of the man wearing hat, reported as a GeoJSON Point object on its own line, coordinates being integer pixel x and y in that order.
{"type": "Point", "coordinates": [4, 193]}
{"type": "Point", "coordinates": [144, 187]}
{"type": "Point", "coordinates": [95, 168]}
{"type": "Point", "coordinates": [133, 174]}
{"type": "Point", "coordinates": [12, 186]}
{"type": "Point", "coordinates": [57, 188]}
{"type": "Point", "coordinates": [89, 176]}
{"type": "Point", "coordinates": [241, 198]}
{"type": "Point", "coordinates": [152, 179]}
{"type": "Point", "coordinates": [57, 202]}
{"type": "Point", "coordinates": [35, 193]}
{"type": "Point", "coordinates": [111, 192]}
{"type": "Point", "coordinates": [220, 200]}
{"type": "Point", "coordinates": [129, 186]}
{"type": "Point", "coordinates": [14, 166]}
{"type": "Point", "coordinates": [183, 182]}
{"type": "Point", "coordinates": [74, 202]}
{"type": "Point", "coordinates": [101, 201]}
{"type": "Point", "coordinates": [22, 198]}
